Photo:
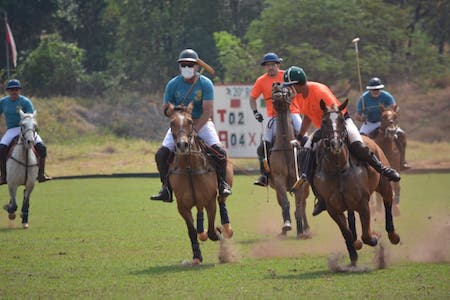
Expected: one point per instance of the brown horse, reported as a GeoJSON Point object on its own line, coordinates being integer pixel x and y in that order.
{"type": "Point", "coordinates": [385, 138]}
{"type": "Point", "coordinates": [346, 184]}
{"type": "Point", "coordinates": [282, 161]}
{"type": "Point", "coordinates": [193, 178]}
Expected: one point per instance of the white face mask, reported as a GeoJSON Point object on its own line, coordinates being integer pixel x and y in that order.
{"type": "Point", "coordinates": [187, 72]}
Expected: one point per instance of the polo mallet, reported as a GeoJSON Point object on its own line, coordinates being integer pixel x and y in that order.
{"type": "Point", "coordinates": [299, 181]}
{"type": "Point", "coordinates": [265, 162]}
{"type": "Point", "coordinates": [355, 41]}
{"type": "Point", "coordinates": [206, 67]}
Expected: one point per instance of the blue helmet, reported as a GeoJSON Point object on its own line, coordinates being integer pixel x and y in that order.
{"type": "Point", "coordinates": [271, 57]}
{"type": "Point", "coordinates": [13, 84]}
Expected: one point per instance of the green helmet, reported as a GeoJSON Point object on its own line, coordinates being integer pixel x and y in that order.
{"type": "Point", "coordinates": [294, 75]}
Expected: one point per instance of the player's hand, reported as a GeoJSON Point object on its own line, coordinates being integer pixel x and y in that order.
{"type": "Point", "coordinates": [258, 116]}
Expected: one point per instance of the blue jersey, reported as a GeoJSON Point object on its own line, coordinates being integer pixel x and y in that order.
{"type": "Point", "coordinates": [370, 106]}
{"type": "Point", "coordinates": [177, 88]}
{"type": "Point", "coordinates": [9, 107]}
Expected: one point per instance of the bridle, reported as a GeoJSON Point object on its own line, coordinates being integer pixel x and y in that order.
{"type": "Point", "coordinates": [388, 124]}
{"type": "Point", "coordinates": [333, 138]}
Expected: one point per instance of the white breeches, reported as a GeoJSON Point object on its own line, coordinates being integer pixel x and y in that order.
{"type": "Point", "coordinates": [269, 133]}
{"type": "Point", "coordinates": [207, 133]}
{"type": "Point", "coordinates": [12, 133]}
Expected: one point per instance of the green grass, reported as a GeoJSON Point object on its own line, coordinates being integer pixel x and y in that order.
{"type": "Point", "coordinates": [103, 239]}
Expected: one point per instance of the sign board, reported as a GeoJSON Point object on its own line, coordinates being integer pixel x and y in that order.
{"type": "Point", "coordinates": [238, 129]}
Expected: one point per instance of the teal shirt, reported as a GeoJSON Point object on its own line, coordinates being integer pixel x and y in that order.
{"type": "Point", "coordinates": [370, 107]}
{"type": "Point", "coordinates": [9, 109]}
{"type": "Point", "coordinates": [177, 88]}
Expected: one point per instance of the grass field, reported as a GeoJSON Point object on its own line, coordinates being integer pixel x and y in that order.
{"type": "Point", "coordinates": [103, 239]}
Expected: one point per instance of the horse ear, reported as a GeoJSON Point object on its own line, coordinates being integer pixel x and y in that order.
{"type": "Point", "coordinates": [343, 105]}
{"type": "Point", "coordinates": [395, 107]}
{"type": "Point", "coordinates": [382, 108]}
{"type": "Point", "coordinates": [34, 114]}
{"type": "Point", "coordinates": [323, 106]}
{"type": "Point", "coordinates": [190, 107]}
{"type": "Point", "coordinates": [168, 111]}
{"type": "Point", "coordinates": [20, 111]}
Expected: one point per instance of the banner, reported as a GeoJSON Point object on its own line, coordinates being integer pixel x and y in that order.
{"type": "Point", "coordinates": [238, 130]}
{"type": "Point", "coordinates": [11, 43]}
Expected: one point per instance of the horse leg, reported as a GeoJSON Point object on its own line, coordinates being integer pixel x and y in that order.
{"type": "Point", "coordinates": [224, 219]}
{"type": "Point", "coordinates": [211, 210]}
{"type": "Point", "coordinates": [352, 226]}
{"type": "Point", "coordinates": [300, 213]}
{"type": "Point", "coordinates": [385, 189]}
{"type": "Point", "coordinates": [396, 200]}
{"type": "Point", "coordinates": [364, 216]}
{"type": "Point", "coordinates": [197, 254]}
{"type": "Point", "coordinates": [339, 218]}
{"type": "Point", "coordinates": [200, 228]}
{"type": "Point", "coordinates": [11, 207]}
{"type": "Point", "coordinates": [283, 201]}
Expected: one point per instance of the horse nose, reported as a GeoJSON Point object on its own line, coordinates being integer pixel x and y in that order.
{"type": "Point", "coordinates": [182, 145]}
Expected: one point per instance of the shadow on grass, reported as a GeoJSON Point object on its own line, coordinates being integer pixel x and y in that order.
{"type": "Point", "coordinates": [156, 270]}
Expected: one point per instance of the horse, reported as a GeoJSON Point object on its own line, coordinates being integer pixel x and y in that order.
{"type": "Point", "coordinates": [385, 138]}
{"type": "Point", "coordinates": [193, 179]}
{"type": "Point", "coordinates": [22, 167]}
{"type": "Point", "coordinates": [283, 165]}
{"type": "Point", "coordinates": [346, 184]}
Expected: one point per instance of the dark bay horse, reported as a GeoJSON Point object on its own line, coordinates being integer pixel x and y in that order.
{"type": "Point", "coordinates": [346, 184]}
{"type": "Point", "coordinates": [282, 161]}
{"type": "Point", "coordinates": [385, 138]}
{"type": "Point", "coordinates": [193, 179]}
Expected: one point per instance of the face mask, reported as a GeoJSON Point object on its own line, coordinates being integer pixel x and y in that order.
{"type": "Point", "coordinates": [187, 72]}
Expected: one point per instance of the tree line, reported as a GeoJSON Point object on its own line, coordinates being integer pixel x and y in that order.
{"type": "Point", "coordinates": [90, 48]}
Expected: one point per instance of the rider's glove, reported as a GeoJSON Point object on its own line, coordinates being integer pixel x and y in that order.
{"type": "Point", "coordinates": [258, 116]}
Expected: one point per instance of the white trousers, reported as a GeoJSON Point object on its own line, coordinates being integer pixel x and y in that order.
{"type": "Point", "coordinates": [207, 133]}
{"type": "Point", "coordinates": [12, 133]}
{"type": "Point", "coordinates": [352, 131]}
{"type": "Point", "coordinates": [269, 133]}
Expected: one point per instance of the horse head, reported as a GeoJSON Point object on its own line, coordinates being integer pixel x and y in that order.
{"type": "Point", "coordinates": [28, 128]}
{"type": "Point", "coordinates": [389, 124]}
{"type": "Point", "coordinates": [280, 98]}
{"type": "Point", "coordinates": [333, 126]}
{"type": "Point", "coordinates": [182, 126]}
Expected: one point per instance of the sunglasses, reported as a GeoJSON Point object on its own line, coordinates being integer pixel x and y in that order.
{"type": "Point", "coordinates": [187, 64]}
{"type": "Point", "coordinates": [14, 89]}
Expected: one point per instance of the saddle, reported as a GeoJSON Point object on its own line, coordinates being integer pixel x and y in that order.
{"type": "Point", "coordinates": [13, 144]}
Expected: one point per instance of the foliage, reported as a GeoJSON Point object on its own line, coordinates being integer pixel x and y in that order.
{"type": "Point", "coordinates": [53, 68]}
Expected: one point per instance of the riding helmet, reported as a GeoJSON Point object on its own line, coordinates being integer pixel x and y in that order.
{"type": "Point", "coordinates": [375, 84]}
{"type": "Point", "coordinates": [271, 57]}
{"type": "Point", "coordinates": [188, 55]}
{"type": "Point", "coordinates": [294, 75]}
{"type": "Point", "coordinates": [13, 84]}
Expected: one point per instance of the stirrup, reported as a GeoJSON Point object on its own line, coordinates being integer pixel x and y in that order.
{"type": "Point", "coordinates": [43, 178]}
{"type": "Point", "coordinates": [224, 189]}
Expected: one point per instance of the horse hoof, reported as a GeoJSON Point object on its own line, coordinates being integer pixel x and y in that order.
{"type": "Point", "coordinates": [287, 226]}
{"type": "Point", "coordinates": [12, 216]}
{"type": "Point", "coordinates": [196, 262]}
{"type": "Point", "coordinates": [357, 244]}
{"type": "Point", "coordinates": [25, 225]}
{"type": "Point", "coordinates": [227, 231]}
{"type": "Point", "coordinates": [203, 236]}
{"type": "Point", "coordinates": [394, 237]}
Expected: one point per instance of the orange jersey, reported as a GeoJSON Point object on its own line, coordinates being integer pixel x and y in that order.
{"type": "Point", "coordinates": [310, 106]}
{"type": "Point", "coordinates": [263, 85]}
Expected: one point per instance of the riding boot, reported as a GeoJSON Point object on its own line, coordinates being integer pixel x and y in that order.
{"type": "Point", "coordinates": [307, 164]}
{"type": "Point", "coordinates": [400, 141]}
{"type": "Point", "coordinates": [3, 153]}
{"type": "Point", "coordinates": [364, 154]}
{"type": "Point", "coordinates": [42, 151]}
{"type": "Point", "coordinates": [220, 157]}
{"type": "Point", "coordinates": [262, 180]}
{"type": "Point", "coordinates": [162, 163]}
{"type": "Point", "coordinates": [42, 177]}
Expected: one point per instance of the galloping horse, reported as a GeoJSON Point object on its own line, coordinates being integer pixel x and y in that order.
{"type": "Point", "coordinates": [283, 165]}
{"type": "Point", "coordinates": [346, 184]}
{"type": "Point", "coordinates": [22, 167]}
{"type": "Point", "coordinates": [385, 138]}
{"type": "Point", "coordinates": [193, 179]}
